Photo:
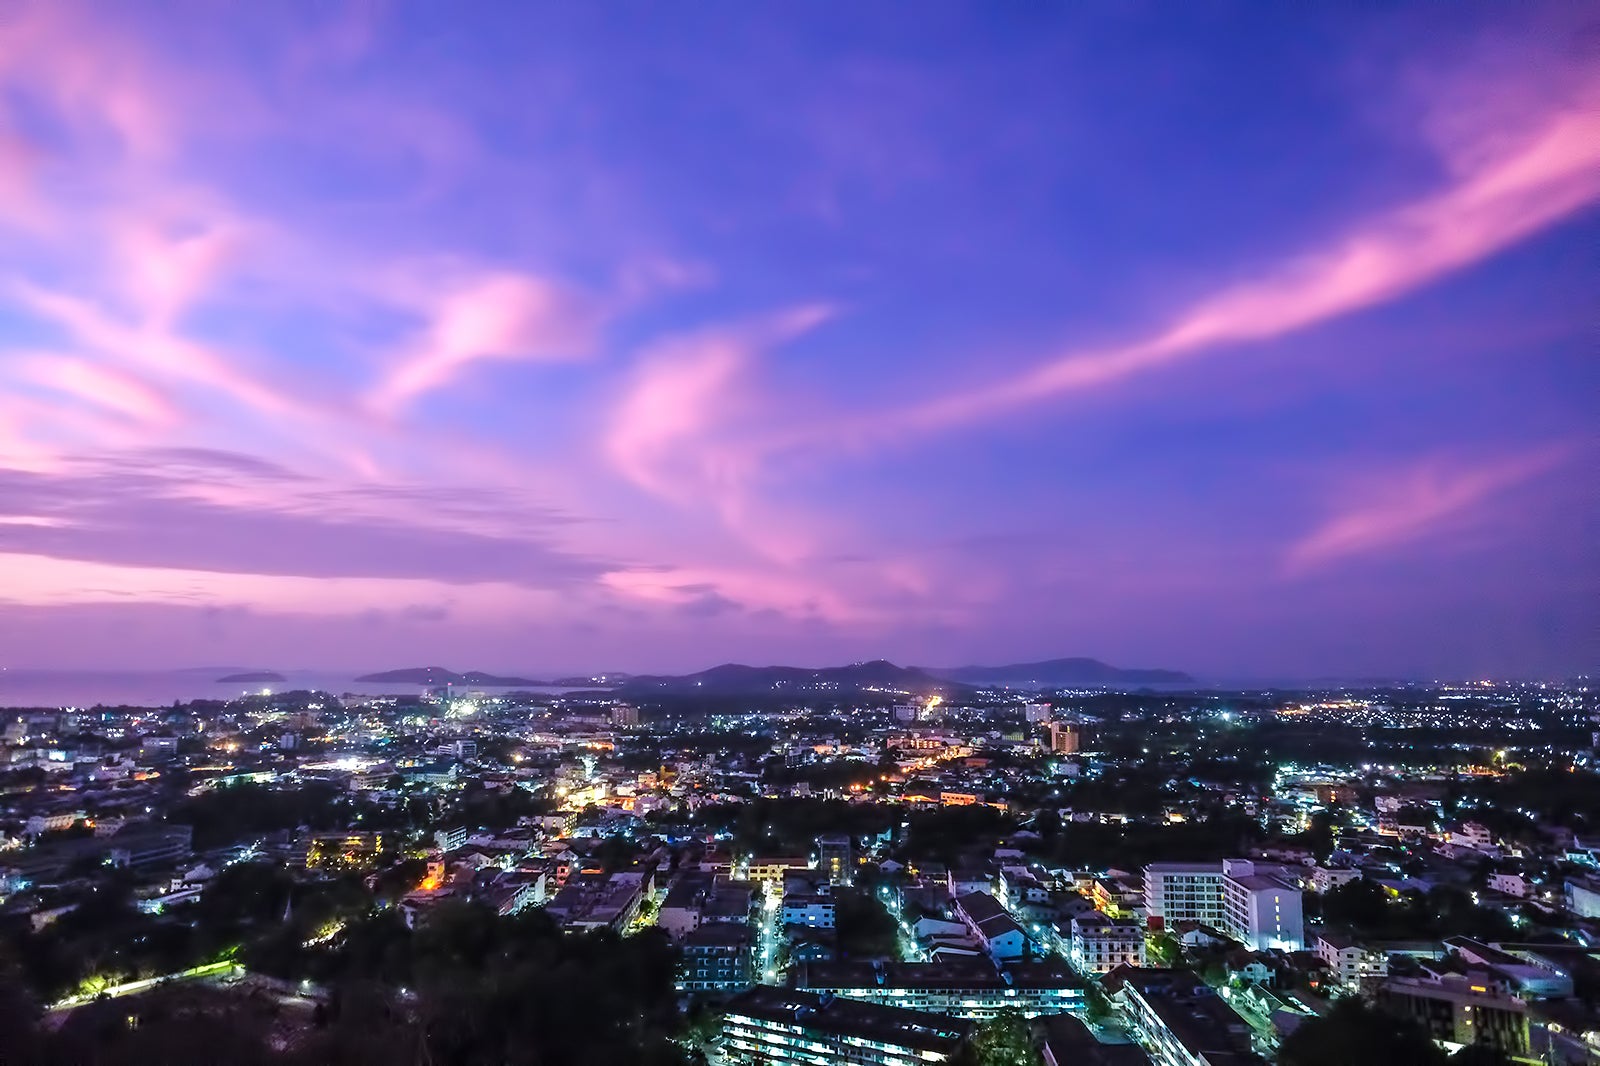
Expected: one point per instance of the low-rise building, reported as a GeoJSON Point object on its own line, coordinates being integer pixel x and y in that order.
{"type": "Point", "coordinates": [1179, 1019]}
{"type": "Point", "coordinates": [780, 1027]}
{"type": "Point", "coordinates": [1458, 1011]}
{"type": "Point", "coordinates": [1350, 961]}
{"type": "Point", "coordinates": [1101, 943]}
{"type": "Point", "coordinates": [970, 987]}
{"type": "Point", "coordinates": [812, 912]}
{"type": "Point", "coordinates": [716, 958]}
{"type": "Point", "coordinates": [994, 928]}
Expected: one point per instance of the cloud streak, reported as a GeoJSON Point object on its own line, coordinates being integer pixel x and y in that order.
{"type": "Point", "coordinates": [1416, 504]}
{"type": "Point", "coordinates": [501, 315]}
{"type": "Point", "coordinates": [1547, 174]}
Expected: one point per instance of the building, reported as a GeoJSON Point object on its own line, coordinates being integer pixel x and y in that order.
{"type": "Point", "coordinates": [1179, 1019]}
{"type": "Point", "coordinates": [810, 911]}
{"type": "Point", "coordinates": [1069, 1042]}
{"type": "Point", "coordinates": [163, 845]}
{"type": "Point", "coordinates": [697, 898]}
{"type": "Point", "coordinates": [624, 716]}
{"type": "Point", "coordinates": [779, 1027]}
{"type": "Point", "coordinates": [836, 857]}
{"type": "Point", "coordinates": [1583, 897]}
{"type": "Point", "coordinates": [1034, 713]}
{"type": "Point", "coordinates": [448, 840]}
{"type": "Point", "coordinates": [769, 869]}
{"type": "Point", "coordinates": [1458, 1010]}
{"type": "Point", "coordinates": [1065, 738]}
{"type": "Point", "coordinates": [993, 927]}
{"type": "Point", "coordinates": [598, 901]}
{"type": "Point", "coordinates": [327, 850]}
{"type": "Point", "coordinates": [1527, 974]}
{"type": "Point", "coordinates": [970, 987]}
{"type": "Point", "coordinates": [716, 958]}
{"type": "Point", "coordinates": [1101, 944]}
{"type": "Point", "coordinates": [1474, 835]}
{"type": "Point", "coordinates": [1327, 878]}
{"type": "Point", "coordinates": [1350, 962]}
{"type": "Point", "coordinates": [1262, 910]}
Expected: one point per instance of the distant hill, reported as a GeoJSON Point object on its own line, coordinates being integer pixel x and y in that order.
{"type": "Point", "coordinates": [253, 677]}
{"type": "Point", "coordinates": [733, 679]}
{"type": "Point", "coordinates": [1058, 673]}
{"type": "Point", "coordinates": [592, 681]}
{"type": "Point", "coordinates": [434, 676]}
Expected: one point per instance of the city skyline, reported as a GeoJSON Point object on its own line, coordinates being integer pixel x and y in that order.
{"type": "Point", "coordinates": [1240, 341]}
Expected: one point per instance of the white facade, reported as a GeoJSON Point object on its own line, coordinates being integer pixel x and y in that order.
{"type": "Point", "coordinates": [813, 912]}
{"type": "Point", "coordinates": [1583, 898]}
{"type": "Point", "coordinates": [1100, 945]}
{"type": "Point", "coordinates": [1349, 961]}
{"type": "Point", "coordinates": [1260, 910]}
{"type": "Point", "coordinates": [1473, 835]}
{"type": "Point", "coordinates": [1183, 891]}
{"type": "Point", "coordinates": [1510, 884]}
{"type": "Point", "coordinates": [1326, 878]}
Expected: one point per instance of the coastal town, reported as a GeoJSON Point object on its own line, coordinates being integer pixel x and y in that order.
{"type": "Point", "coordinates": [1078, 876]}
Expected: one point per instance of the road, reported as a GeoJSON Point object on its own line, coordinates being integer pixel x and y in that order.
{"type": "Point", "coordinates": [129, 988]}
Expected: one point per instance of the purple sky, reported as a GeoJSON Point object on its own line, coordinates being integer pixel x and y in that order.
{"type": "Point", "coordinates": [1245, 339]}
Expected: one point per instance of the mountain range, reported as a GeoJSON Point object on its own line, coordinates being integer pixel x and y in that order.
{"type": "Point", "coordinates": [1057, 673]}
{"type": "Point", "coordinates": [435, 676]}
{"type": "Point", "coordinates": [878, 675]}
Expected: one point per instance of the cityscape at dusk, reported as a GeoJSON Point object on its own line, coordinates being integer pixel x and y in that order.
{"type": "Point", "coordinates": [799, 534]}
{"type": "Point", "coordinates": [1255, 343]}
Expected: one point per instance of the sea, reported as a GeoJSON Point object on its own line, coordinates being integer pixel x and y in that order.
{"type": "Point", "coordinates": [157, 688]}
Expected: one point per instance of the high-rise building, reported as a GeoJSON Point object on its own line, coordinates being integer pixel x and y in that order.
{"type": "Point", "coordinates": [624, 716]}
{"type": "Point", "coordinates": [1034, 713]}
{"type": "Point", "coordinates": [836, 857]}
{"type": "Point", "coordinates": [1259, 908]}
{"type": "Point", "coordinates": [1065, 738]}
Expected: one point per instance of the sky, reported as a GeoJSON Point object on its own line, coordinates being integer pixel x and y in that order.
{"type": "Point", "coordinates": [1252, 340]}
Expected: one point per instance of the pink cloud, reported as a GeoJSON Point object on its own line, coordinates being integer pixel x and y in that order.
{"type": "Point", "coordinates": [683, 426]}
{"type": "Point", "coordinates": [153, 348]}
{"type": "Point", "coordinates": [1414, 504]}
{"type": "Point", "coordinates": [102, 386]}
{"type": "Point", "coordinates": [685, 393]}
{"type": "Point", "coordinates": [495, 316]}
{"type": "Point", "coordinates": [93, 77]}
{"type": "Point", "coordinates": [166, 268]}
{"type": "Point", "coordinates": [1549, 174]}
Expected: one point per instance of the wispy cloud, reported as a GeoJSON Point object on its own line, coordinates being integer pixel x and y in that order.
{"type": "Point", "coordinates": [1415, 503]}
{"type": "Point", "coordinates": [493, 316]}
{"type": "Point", "coordinates": [114, 390]}
{"type": "Point", "coordinates": [670, 432]}
{"type": "Point", "coordinates": [1521, 180]}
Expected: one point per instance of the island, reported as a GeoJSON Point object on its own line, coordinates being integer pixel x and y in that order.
{"type": "Point", "coordinates": [438, 675]}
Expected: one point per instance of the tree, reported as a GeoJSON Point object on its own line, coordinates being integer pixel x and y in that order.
{"type": "Point", "coordinates": [1354, 1034]}
{"type": "Point", "coordinates": [1005, 1040]}
{"type": "Point", "coordinates": [1096, 1008]}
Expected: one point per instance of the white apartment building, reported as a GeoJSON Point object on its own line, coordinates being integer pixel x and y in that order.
{"type": "Point", "coordinates": [1326, 878]}
{"type": "Point", "coordinates": [1101, 944]}
{"type": "Point", "coordinates": [1261, 910]}
{"type": "Point", "coordinates": [1510, 884]}
{"type": "Point", "coordinates": [810, 911]}
{"type": "Point", "coordinates": [1350, 961]}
